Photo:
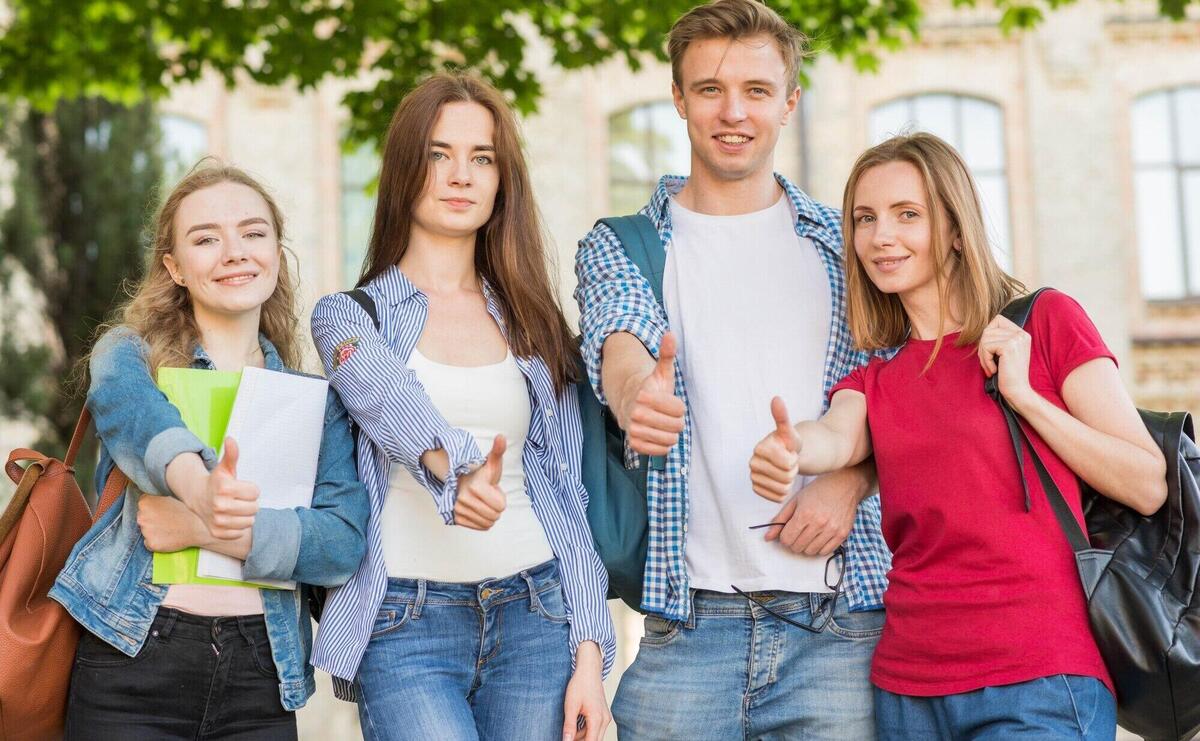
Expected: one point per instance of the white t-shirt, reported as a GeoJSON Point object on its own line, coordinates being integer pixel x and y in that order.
{"type": "Point", "coordinates": [417, 544]}
{"type": "Point", "coordinates": [748, 300]}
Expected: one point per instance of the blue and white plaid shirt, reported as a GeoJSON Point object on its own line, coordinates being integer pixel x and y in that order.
{"type": "Point", "coordinates": [397, 423]}
{"type": "Point", "coordinates": [614, 297]}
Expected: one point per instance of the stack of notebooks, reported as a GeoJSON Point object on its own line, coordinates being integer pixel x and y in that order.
{"type": "Point", "coordinates": [277, 420]}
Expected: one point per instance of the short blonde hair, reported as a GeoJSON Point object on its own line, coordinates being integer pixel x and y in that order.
{"type": "Point", "coordinates": [736, 19]}
{"type": "Point", "coordinates": [976, 283]}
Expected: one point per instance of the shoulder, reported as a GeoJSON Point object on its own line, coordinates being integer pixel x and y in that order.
{"type": "Point", "coordinates": [1054, 308]}
{"type": "Point", "coordinates": [119, 341]}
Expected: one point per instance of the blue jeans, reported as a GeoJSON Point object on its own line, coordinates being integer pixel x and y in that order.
{"type": "Point", "coordinates": [734, 671]}
{"type": "Point", "coordinates": [486, 660]}
{"type": "Point", "coordinates": [1061, 706]}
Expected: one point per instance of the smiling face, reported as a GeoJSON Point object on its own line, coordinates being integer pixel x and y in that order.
{"type": "Point", "coordinates": [463, 180]}
{"type": "Point", "coordinates": [894, 230]}
{"type": "Point", "coordinates": [735, 97]}
{"type": "Point", "coordinates": [226, 250]}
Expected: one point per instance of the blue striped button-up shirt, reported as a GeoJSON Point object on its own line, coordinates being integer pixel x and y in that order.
{"type": "Point", "coordinates": [397, 423]}
{"type": "Point", "coordinates": [614, 297]}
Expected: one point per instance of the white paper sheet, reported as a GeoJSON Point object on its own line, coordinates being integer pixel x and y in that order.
{"type": "Point", "coordinates": [277, 421]}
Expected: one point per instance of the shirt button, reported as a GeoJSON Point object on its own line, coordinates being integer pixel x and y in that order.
{"type": "Point", "coordinates": [549, 412]}
{"type": "Point", "coordinates": [683, 470]}
{"type": "Point", "coordinates": [562, 466]}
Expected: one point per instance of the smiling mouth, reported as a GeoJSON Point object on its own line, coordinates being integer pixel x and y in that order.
{"type": "Point", "coordinates": [889, 263]}
{"type": "Point", "coordinates": [237, 280]}
{"type": "Point", "coordinates": [733, 138]}
{"type": "Point", "coordinates": [461, 202]}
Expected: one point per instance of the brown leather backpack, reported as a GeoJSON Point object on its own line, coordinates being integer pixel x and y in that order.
{"type": "Point", "coordinates": [45, 518]}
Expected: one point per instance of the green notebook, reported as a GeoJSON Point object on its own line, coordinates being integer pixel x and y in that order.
{"type": "Point", "coordinates": [204, 399]}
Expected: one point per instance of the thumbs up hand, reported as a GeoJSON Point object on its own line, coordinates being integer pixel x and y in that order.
{"type": "Point", "coordinates": [653, 416]}
{"type": "Point", "coordinates": [480, 499]}
{"type": "Point", "coordinates": [776, 460]}
{"type": "Point", "coordinates": [228, 505]}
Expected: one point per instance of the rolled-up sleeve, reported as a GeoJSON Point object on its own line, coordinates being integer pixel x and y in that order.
{"type": "Point", "coordinates": [387, 401]}
{"type": "Point", "coordinates": [140, 428]}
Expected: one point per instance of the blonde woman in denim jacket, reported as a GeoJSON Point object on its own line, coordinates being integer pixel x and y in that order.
{"type": "Point", "coordinates": [190, 661]}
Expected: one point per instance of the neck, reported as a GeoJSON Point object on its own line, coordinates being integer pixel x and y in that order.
{"type": "Point", "coordinates": [708, 194]}
{"type": "Point", "coordinates": [923, 308]}
{"type": "Point", "coordinates": [231, 340]}
{"type": "Point", "coordinates": [436, 263]}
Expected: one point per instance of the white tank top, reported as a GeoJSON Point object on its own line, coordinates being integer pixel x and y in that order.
{"type": "Point", "coordinates": [486, 401]}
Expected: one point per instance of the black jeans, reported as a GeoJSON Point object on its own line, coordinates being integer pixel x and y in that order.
{"type": "Point", "coordinates": [195, 678]}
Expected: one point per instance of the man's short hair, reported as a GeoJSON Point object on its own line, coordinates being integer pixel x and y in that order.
{"type": "Point", "coordinates": [736, 19]}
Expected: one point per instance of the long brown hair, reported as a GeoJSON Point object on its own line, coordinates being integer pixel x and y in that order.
{"type": "Point", "coordinates": [510, 249]}
{"type": "Point", "coordinates": [160, 311]}
{"type": "Point", "coordinates": [970, 277]}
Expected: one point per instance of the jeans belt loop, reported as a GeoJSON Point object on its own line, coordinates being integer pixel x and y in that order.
{"type": "Point", "coordinates": [416, 612]}
{"type": "Point", "coordinates": [690, 623]}
{"type": "Point", "coordinates": [534, 601]}
{"type": "Point", "coordinates": [168, 623]}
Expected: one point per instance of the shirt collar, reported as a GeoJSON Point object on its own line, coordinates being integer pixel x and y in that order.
{"type": "Point", "coordinates": [808, 211]}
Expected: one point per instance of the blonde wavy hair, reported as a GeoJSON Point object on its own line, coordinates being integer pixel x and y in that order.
{"type": "Point", "coordinates": [160, 311]}
{"type": "Point", "coordinates": [969, 278]}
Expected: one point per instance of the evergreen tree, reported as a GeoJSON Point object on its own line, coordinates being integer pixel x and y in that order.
{"type": "Point", "coordinates": [84, 176]}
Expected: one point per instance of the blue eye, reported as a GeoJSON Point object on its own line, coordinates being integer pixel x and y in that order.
{"type": "Point", "coordinates": [483, 159]}
{"type": "Point", "coordinates": [436, 155]}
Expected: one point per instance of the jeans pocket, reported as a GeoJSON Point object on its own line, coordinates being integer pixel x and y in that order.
{"type": "Point", "coordinates": [390, 618]}
{"type": "Point", "coordinates": [97, 653]}
{"type": "Point", "coordinates": [659, 630]}
{"type": "Point", "coordinates": [857, 626]}
{"type": "Point", "coordinates": [550, 604]}
{"type": "Point", "coordinates": [264, 661]}
{"type": "Point", "coordinates": [1087, 694]}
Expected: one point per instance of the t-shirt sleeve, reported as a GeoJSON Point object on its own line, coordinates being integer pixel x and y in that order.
{"type": "Point", "coordinates": [855, 380]}
{"type": "Point", "coordinates": [1065, 335]}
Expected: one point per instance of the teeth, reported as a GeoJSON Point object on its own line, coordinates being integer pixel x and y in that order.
{"type": "Point", "coordinates": [734, 139]}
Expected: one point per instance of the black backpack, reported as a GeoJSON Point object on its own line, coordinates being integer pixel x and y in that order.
{"type": "Point", "coordinates": [1140, 574]}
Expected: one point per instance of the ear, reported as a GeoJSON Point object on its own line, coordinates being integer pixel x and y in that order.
{"type": "Point", "coordinates": [677, 98]}
{"type": "Point", "coordinates": [173, 268]}
{"type": "Point", "coordinates": [793, 99]}
{"type": "Point", "coordinates": [956, 245]}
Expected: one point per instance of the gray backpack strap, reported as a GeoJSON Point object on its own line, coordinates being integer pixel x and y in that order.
{"type": "Point", "coordinates": [363, 299]}
{"type": "Point", "coordinates": [643, 246]}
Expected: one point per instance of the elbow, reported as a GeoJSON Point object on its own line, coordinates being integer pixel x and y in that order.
{"type": "Point", "coordinates": [1152, 494]}
{"type": "Point", "coordinates": [343, 564]}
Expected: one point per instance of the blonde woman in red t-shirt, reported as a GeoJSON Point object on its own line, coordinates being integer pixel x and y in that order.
{"type": "Point", "coordinates": [986, 633]}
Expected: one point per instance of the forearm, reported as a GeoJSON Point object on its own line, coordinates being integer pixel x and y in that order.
{"type": "Point", "coordinates": [186, 477]}
{"type": "Point", "coordinates": [239, 548]}
{"type": "Point", "coordinates": [624, 365]}
{"type": "Point", "coordinates": [1114, 467]}
{"type": "Point", "coordinates": [825, 449]}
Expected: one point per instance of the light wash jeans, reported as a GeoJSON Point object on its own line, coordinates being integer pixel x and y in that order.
{"type": "Point", "coordinates": [1053, 708]}
{"type": "Point", "coordinates": [486, 660]}
{"type": "Point", "coordinates": [732, 671]}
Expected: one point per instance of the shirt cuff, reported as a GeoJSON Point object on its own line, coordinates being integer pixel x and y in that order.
{"type": "Point", "coordinates": [607, 644]}
{"type": "Point", "coordinates": [163, 449]}
{"type": "Point", "coordinates": [275, 547]}
{"type": "Point", "coordinates": [650, 335]}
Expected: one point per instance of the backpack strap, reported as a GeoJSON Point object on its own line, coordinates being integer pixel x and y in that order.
{"type": "Point", "coordinates": [363, 299]}
{"type": "Point", "coordinates": [643, 246]}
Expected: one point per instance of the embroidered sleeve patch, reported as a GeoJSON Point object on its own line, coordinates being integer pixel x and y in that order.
{"type": "Point", "coordinates": [343, 351]}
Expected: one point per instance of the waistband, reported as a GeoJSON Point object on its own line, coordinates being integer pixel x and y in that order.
{"type": "Point", "coordinates": [790, 604]}
{"type": "Point", "coordinates": [484, 593]}
{"type": "Point", "coordinates": [172, 623]}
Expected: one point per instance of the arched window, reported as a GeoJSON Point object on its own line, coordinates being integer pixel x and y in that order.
{"type": "Point", "coordinates": [1166, 161]}
{"type": "Point", "coordinates": [644, 143]}
{"type": "Point", "coordinates": [359, 167]}
{"type": "Point", "coordinates": [183, 141]}
{"type": "Point", "coordinates": [975, 128]}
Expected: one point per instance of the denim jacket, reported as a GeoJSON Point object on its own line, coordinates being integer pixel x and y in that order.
{"type": "Point", "coordinates": [106, 583]}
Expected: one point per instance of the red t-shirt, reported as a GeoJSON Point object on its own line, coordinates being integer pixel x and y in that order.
{"type": "Point", "coordinates": [981, 592]}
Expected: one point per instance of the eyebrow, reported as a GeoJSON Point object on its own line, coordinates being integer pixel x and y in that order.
{"type": "Point", "coordinates": [243, 222]}
{"type": "Point", "coordinates": [476, 148]}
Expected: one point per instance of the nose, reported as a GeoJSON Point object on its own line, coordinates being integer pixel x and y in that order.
{"type": "Point", "coordinates": [460, 173]}
{"type": "Point", "coordinates": [235, 248]}
{"type": "Point", "coordinates": [883, 234]}
{"type": "Point", "coordinates": [733, 108]}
